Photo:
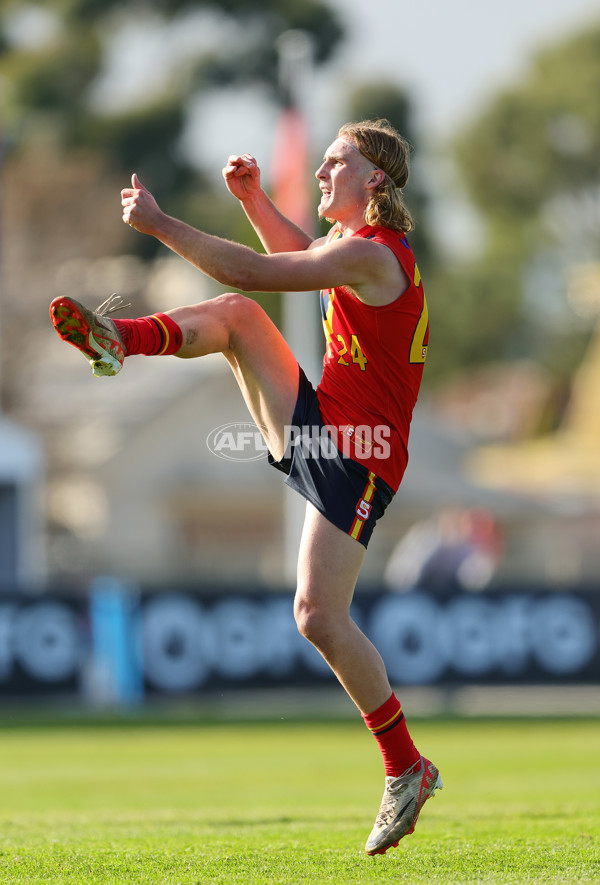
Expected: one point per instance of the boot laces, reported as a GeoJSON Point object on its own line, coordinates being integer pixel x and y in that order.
{"type": "Point", "coordinates": [113, 303]}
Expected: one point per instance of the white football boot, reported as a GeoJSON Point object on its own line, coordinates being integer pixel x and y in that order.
{"type": "Point", "coordinates": [403, 799]}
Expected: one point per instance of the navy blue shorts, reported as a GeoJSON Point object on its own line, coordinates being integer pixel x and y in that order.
{"type": "Point", "coordinates": [343, 490]}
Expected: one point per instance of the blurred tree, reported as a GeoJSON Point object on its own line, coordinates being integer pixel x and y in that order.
{"type": "Point", "coordinates": [531, 166]}
{"type": "Point", "coordinates": [106, 86]}
{"type": "Point", "coordinates": [538, 139]}
{"type": "Point", "coordinates": [53, 59]}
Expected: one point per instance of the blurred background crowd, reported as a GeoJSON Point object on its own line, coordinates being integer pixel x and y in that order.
{"type": "Point", "coordinates": [502, 107]}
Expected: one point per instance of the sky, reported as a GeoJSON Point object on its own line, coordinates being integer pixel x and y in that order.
{"type": "Point", "coordinates": [452, 56]}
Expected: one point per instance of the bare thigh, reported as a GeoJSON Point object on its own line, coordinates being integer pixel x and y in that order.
{"type": "Point", "coordinates": [267, 373]}
{"type": "Point", "coordinates": [263, 364]}
{"type": "Point", "coordinates": [329, 563]}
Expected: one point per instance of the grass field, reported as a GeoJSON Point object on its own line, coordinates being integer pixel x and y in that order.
{"type": "Point", "coordinates": [292, 802]}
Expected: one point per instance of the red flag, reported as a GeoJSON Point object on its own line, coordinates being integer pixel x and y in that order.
{"type": "Point", "coordinates": [289, 168]}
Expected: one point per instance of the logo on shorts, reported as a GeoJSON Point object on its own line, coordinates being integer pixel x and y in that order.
{"type": "Point", "coordinates": [238, 441]}
{"type": "Point", "coordinates": [363, 511]}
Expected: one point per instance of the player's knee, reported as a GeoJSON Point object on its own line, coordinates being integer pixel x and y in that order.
{"type": "Point", "coordinates": [240, 311]}
{"type": "Point", "coordinates": [312, 623]}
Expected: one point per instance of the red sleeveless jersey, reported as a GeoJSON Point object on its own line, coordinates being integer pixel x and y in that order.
{"type": "Point", "coordinates": [373, 365]}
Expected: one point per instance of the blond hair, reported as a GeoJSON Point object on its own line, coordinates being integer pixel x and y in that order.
{"type": "Point", "coordinates": [379, 142]}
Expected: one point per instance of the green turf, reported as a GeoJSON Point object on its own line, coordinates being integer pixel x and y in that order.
{"type": "Point", "coordinates": [290, 802]}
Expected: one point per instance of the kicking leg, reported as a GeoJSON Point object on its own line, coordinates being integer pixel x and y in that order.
{"type": "Point", "coordinates": [232, 324]}
{"type": "Point", "coordinates": [264, 366]}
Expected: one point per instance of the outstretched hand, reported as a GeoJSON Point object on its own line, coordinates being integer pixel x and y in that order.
{"type": "Point", "coordinates": [140, 209]}
{"type": "Point", "coordinates": [242, 176]}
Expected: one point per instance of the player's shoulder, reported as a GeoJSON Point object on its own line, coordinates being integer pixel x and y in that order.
{"type": "Point", "coordinates": [387, 235]}
{"type": "Point", "coordinates": [317, 243]}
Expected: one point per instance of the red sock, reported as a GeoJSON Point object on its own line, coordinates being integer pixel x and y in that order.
{"type": "Point", "coordinates": [388, 726]}
{"type": "Point", "coordinates": [152, 336]}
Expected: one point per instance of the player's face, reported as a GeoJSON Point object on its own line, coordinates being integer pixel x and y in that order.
{"type": "Point", "coordinates": [343, 179]}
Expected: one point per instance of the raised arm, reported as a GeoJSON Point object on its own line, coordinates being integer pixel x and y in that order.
{"type": "Point", "coordinates": [277, 233]}
{"type": "Point", "coordinates": [230, 263]}
{"type": "Point", "coordinates": [369, 268]}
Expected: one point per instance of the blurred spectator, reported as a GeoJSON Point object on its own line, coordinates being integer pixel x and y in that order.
{"type": "Point", "coordinates": [457, 549]}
